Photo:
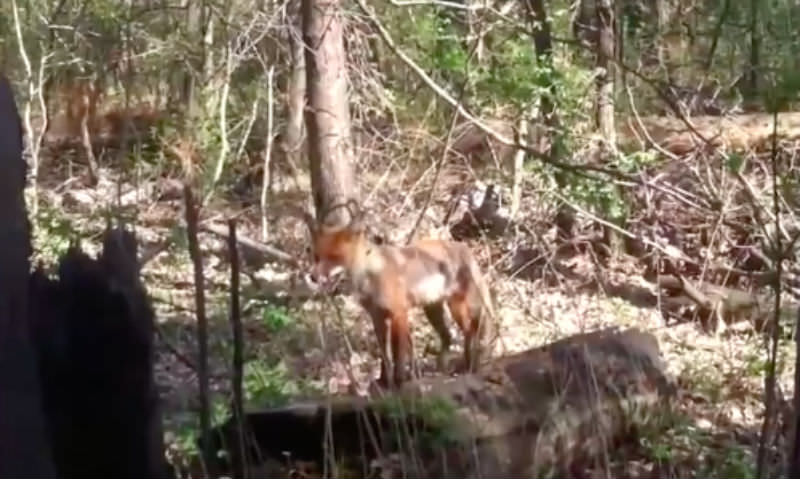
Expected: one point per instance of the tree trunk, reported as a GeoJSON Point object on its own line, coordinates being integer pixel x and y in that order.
{"type": "Point", "coordinates": [605, 79]}
{"type": "Point", "coordinates": [23, 448]}
{"type": "Point", "coordinates": [604, 106]}
{"type": "Point", "coordinates": [543, 45]}
{"type": "Point", "coordinates": [619, 46]}
{"type": "Point", "coordinates": [662, 11]}
{"type": "Point", "coordinates": [296, 95]}
{"type": "Point", "coordinates": [755, 50]}
{"type": "Point", "coordinates": [193, 22]}
{"type": "Point", "coordinates": [583, 25]}
{"type": "Point", "coordinates": [475, 27]}
{"type": "Point", "coordinates": [328, 115]}
{"type": "Point", "coordinates": [198, 24]}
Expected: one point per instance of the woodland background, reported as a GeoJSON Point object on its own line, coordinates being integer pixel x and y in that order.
{"type": "Point", "coordinates": [596, 155]}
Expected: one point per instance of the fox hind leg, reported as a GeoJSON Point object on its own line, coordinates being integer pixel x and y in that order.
{"type": "Point", "coordinates": [436, 316]}
{"type": "Point", "coordinates": [460, 310]}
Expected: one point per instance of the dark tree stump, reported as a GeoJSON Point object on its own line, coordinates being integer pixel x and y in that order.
{"type": "Point", "coordinates": [93, 328]}
{"type": "Point", "coordinates": [77, 396]}
{"type": "Point", "coordinates": [23, 448]}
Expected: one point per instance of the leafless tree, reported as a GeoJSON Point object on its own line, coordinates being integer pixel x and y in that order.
{"type": "Point", "coordinates": [327, 116]}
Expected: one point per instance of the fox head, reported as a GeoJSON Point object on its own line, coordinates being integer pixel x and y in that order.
{"type": "Point", "coordinates": [335, 249]}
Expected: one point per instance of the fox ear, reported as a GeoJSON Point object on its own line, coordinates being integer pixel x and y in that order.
{"type": "Point", "coordinates": [357, 223]}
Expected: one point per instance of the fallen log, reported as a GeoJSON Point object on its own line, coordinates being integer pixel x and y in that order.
{"type": "Point", "coordinates": [732, 133]}
{"type": "Point", "coordinates": [260, 252]}
{"type": "Point", "coordinates": [739, 132]}
{"type": "Point", "coordinates": [546, 409]}
{"type": "Point", "coordinates": [720, 307]}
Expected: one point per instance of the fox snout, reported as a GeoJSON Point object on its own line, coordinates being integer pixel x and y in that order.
{"type": "Point", "coordinates": [323, 274]}
{"type": "Point", "coordinates": [317, 275]}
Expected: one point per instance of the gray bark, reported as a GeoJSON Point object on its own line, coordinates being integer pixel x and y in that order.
{"type": "Point", "coordinates": [328, 114]}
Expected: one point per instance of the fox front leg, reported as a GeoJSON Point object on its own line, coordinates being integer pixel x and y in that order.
{"type": "Point", "coordinates": [401, 345]}
{"type": "Point", "coordinates": [380, 322]}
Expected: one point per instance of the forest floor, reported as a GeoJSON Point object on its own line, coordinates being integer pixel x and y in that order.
{"type": "Point", "coordinates": [298, 347]}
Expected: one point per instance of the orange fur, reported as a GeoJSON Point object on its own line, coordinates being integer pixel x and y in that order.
{"type": "Point", "coordinates": [389, 281]}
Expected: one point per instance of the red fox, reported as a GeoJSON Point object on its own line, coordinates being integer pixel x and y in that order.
{"type": "Point", "coordinates": [391, 280]}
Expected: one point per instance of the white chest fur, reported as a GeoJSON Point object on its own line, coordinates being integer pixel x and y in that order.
{"type": "Point", "coordinates": [431, 289]}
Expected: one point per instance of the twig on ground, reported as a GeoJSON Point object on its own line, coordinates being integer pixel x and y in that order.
{"type": "Point", "coordinates": [175, 351]}
{"type": "Point", "coordinates": [268, 251]}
